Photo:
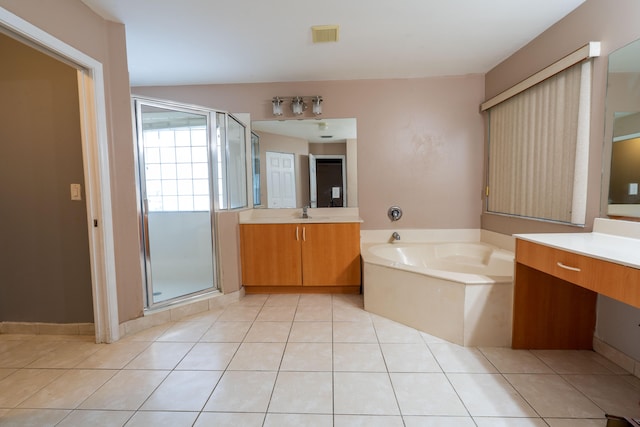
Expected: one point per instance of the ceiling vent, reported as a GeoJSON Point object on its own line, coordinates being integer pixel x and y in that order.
{"type": "Point", "coordinates": [325, 33]}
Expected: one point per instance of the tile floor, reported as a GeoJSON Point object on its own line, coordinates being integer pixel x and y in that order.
{"type": "Point", "coordinates": [308, 360]}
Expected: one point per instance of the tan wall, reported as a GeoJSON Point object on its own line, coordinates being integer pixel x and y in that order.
{"type": "Point", "coordinates": [595, 20]}
{"type": "Point", "coordinates": [75, 24]}
{"type": "Point", "coordinates": [419, 140]}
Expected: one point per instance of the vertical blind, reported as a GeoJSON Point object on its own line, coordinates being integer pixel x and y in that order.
{"type": "Point", "coordinates": [538, 149]}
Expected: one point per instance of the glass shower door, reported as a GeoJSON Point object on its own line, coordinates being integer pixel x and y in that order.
{"type": "Point", "coordinates": [175, 181]}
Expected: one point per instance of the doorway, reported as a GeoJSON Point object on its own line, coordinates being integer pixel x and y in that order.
{"type": "Point", "coordinates": [327, 181]}
{"type": "Point", "coordinates": [93, 130]}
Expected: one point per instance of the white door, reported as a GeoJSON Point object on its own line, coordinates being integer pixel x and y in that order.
{"type": "Point", "coordinates": [281, 180]}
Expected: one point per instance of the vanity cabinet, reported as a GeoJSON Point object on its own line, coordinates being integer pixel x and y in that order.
{"type": "Point", "coordinates": [556, 293]}
{"type": "Point", "coordinates": [301, 257]}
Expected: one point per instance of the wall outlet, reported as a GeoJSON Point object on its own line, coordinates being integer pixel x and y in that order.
{"type": "Point", "coordinates": [633, 189]}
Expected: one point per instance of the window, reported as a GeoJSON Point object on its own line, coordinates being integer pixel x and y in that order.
{"type": "Point", "coordinates": [176, 168]}
{"type": "Point", "coordinates": [538, 149]}
{"type": "Point", "coordinates": [175, 164]}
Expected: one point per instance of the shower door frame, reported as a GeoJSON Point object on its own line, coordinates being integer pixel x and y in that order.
{"type": "Point", "coordinates": [145, 254]}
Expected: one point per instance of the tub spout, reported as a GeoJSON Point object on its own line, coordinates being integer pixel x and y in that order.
{"type": "Point", "coordinates": [395, 236]}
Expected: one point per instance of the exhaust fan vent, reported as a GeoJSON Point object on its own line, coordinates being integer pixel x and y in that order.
{"type": "Point", "coordinates": [325, 33]}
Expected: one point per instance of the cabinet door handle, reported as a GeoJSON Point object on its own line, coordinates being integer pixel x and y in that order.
{"type": "Point", "coordinates": [567, 267]}
{"type": "Point", "coordinates": [304, 234]}
{"type": "Point", "coordinates": [297, 235]}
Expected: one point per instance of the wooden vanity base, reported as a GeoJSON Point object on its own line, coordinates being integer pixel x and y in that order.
{"type": "Point", "coordinates": [302, 289]}
{"type": "Point", "coordinates": [551, 313]}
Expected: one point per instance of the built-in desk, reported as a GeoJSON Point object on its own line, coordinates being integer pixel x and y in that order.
{"type": "Point", "coordinates": [557, 280]}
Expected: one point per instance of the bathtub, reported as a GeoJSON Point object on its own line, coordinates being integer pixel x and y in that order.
{"type": "Point", "coordinates": [460, 290]}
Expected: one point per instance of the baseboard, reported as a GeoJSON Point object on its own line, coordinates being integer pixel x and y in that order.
{"type": "Point", "coordinates": [172, 313]}
{"type": "Point", "coordinates": [621, 359]}
{"type": "Point", "coordinates": [42, 328]}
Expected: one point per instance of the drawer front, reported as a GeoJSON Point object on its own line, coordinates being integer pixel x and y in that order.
{"type": "Point", "coordinates": [607, 278]}
{"type": "Point", "coordinates": [564, 265]}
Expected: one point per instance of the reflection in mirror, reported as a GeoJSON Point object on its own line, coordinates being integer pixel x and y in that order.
{"type": "Point", "coordinates": [623, 124]}
{"type": "Point", "coordinates": [324, 168]}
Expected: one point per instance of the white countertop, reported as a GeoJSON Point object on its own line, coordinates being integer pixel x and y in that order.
{"type": "Point", "coordinates": [607, 247]}
{"type": "Point", "coordinates": [294, 216]}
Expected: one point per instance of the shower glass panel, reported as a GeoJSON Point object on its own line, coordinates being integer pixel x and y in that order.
{"type": "Point", "coordinates": [176, 190]}
{"type": "Point", "coordinates": [236, 164]}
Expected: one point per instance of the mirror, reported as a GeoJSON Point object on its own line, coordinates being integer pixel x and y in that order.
{"type": "Point", "coordinates": [622, 128]}
{"type": "Point", "coordinates": [310, 162]}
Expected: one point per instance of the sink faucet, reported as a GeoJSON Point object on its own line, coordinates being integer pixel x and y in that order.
{"type": "Point", "coordinates": [304, 212]}
{"type": "Point", "coordinates": [395, 236]}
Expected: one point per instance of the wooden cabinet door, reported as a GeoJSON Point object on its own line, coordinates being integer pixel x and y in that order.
{"type": "Point", "coordinates": [331, 254]}
{"type": "Point", "coordinates": [270, 254]}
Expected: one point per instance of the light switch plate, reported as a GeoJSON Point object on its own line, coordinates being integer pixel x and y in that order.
{"type": "Point", "coordinates": [76, 192]}
{"type": "Point", "coordinates": [633, 189]}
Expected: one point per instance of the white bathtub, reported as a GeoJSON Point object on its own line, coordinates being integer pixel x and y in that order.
{"type": "Point", "coordinates": [461, 291]}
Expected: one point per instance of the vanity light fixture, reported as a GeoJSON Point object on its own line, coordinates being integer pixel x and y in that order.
{"type": "Point", "coordinates": [298, 104]}
{"type": "Point", "coordinates": [277, 106]}
{"type": "Point", "coordinates": [317, 105]}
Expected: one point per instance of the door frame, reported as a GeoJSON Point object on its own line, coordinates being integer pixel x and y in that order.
{"type": "Point", "coordinates": [145, 259]}
{"type": "Point", "coordinates": [313, 182]}
{"type": "Point", "coordinates": [95, 159]}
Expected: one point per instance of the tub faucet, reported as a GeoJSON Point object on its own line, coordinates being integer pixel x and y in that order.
{"type": "Point", "coordinates": [395, 236]}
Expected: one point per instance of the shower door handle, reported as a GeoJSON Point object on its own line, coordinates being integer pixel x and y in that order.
{"type": "Point", "coordinates": [145, 227]}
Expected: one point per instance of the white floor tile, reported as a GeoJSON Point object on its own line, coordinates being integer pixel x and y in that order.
{"type": "Point", "coordinates": [226, 332]}
{"type": "Point", "coordinates": [32, 417]}
{"type": "Point", "coordinates": [358, 358]}
{"type": "Point", "coordinates": [611, 393]}
{"type": "Point", "coordinates": [298, 420]}
{"type": "Point", "coordinates": [257, 357]}
{"type": "Point", "coordinates": [69, 389]}
{"type": "Point", "coordinates": [313, 313]}
{"type": "Point", "coordinates": [162, 418]}
{"type": "Point", "coordinates": [301, 360]}
{"type": "Point", "coordinates": [363, 394]}
{"type": "Point", "coordinates": [83, 418]}
{"type": "Point", "coordinates": [303, 393]}
{"type": "Point", "coordinates": [454, 358]}
{"type": "Point", "coordinates": [426, 394]}
{"type": "Point", "coordinates": [308, 357]}
{"type": "Point", "coordinates": [354, 332]}
{"type": "Point", "coordinates": [276, 314]}
{"type": "Point", "coordinates": [242, 391]}
{"type": "Point", "coordinates": [221, 419]}
{"type": "Point", "coordinates": [572, 362]}
{"type": "Point", "coordinates": [268, 332]}
{"type": "Point", "coordinates": [22, 384]}
{"type": "Point", "coordinates": [368, 421]}
{"type": "Point", "coordinates": [127, 390]}
{"type": "Point", "coordinates": [160, 355]}
{"type": "Point", "coordinates": [490, 395]}
{"type": "Point", "coordinates": [205, 356]}
{"type": "Point", "coordinates": [552, 396]}
{"type": "Point", "coordinates": [311, 332]}
{"type": "Point", "coordinates": [509, 361]}
{"type": "Point", "coordinates": [183, 391]}
{"type": "Point", "coordinates": [511, 422]}
{"type": "Point", "coordinates": [389, 331]}
{"type": "Point", "coordinates": [409, 358]}
{"type": "Point", "coordinates": [574, 422]}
